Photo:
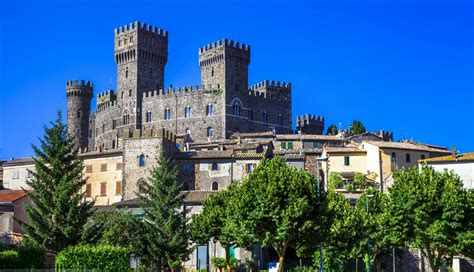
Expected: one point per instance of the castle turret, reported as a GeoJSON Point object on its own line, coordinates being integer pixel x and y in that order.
{"type": "Point", "coordinates": [79, 95]}
{"type": "Point", "coordinates": [310, 124]}
{"type": "Point", "coordinates": [141, 53]}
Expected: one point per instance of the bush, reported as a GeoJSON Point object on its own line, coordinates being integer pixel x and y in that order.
{"type": "Point", "coordinates": [9, 259]}
{"type": "Point", "coordinates": [335, 180]}
{"type": "Point", "coordinates": [359, 180]}
{"type": "Point", "coordinates": [24, 256]}
{"type": "Point", "coordinates": [104, 257]}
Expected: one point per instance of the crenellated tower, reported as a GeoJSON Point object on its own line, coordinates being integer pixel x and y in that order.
{"type": "Point", "coordinates": [224, 65]}
{"type": "Point", "coordinates": [141, 53]}
{"type": "Point", "coordinates": [79, 95]}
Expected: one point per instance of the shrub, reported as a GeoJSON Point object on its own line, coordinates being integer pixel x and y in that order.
{"type": "Point", "coordinates": [218, 262]}
{"type": "Point", "coordinates": [349, 187]}
{"type": "Point", "coordinates": [104, 257]}
{"type": "Point", "coordinates": [335, 180]}
{"type": "Point", "coordinates": [359, 180]}
{"type": "Point", "coordinates": [24, 256]}
{"type": "Point", "coordinates": [9, 259]}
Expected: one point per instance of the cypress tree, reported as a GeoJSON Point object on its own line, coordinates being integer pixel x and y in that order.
{"type": "Point", "coordinates": [59, 211]}
{"type": "Point", "coordinates": [164, 222]}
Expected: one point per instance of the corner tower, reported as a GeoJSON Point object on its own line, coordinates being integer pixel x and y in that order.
{"type": "Point", "coordinates": [224, 65]}
{"type": "Point", "coordinates": [141, 53]}
{"type": "Point", "coordinates": [79, 95]}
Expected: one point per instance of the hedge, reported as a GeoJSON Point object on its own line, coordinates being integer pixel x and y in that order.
{"type": "Point", "coordinates": [101, 257]}
{"type": "Point", "coordinates": [24, 256]}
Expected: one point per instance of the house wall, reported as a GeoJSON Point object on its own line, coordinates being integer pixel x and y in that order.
{"type": "Point", "coordinates": [111, 174]}
{"type": "Point", "coordinates": [465, 170]}
{"type": "Point", "coordinates": [9, 171]}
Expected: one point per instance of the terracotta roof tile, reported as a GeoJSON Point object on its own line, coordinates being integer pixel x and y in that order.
{"type": "Point", "coordinates": [459, 157]}
{"type": "Point", "coordinates": [406, 146]}
{"type": "Point", "coordinates": [11, 195]}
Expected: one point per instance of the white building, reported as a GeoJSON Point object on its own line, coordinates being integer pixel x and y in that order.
{"type": "Point", "coordinates": [462, 164]}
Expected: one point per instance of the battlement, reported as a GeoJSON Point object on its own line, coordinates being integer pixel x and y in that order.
{"type": "Point", "coordinates": [270, 83]}
{"type": "Point", "coordinates": [176, 91]}
{"type": "Point", "coordinates": [141, 26]}
{"type": "Point", "coordinates": [70, 84]}
{"type": "Point", "coordinates": [226, 44]}
{"type": "Point", "coordinates": [151, 133]}
{"type": "Point", "coordinates": [311, 124]}
{"type": "Point", "coordinates": [108, 93]}
{"type": "Point", "coordinates": [385, 135]}
{"type": "Point", "coordinates": [104, 106]}
{"type": "Point", "coordinates": [79, 88]}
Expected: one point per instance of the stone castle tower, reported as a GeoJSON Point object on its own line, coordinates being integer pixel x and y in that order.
{"type": "Point", "coordinates": [223, 104]}
{"type": "Point", "coordinates": [79, 95]}
{"type": "Point", "coordinates": [141, 53]}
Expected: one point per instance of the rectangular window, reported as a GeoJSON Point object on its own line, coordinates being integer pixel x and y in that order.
{"type": "Point", "coordinates": [15, 174]}
{"type": "Point", "coordinates": [103, 167]}
{"type": "Point", "coordinates": [408, 159]}
{"type": "Point", "coordinates": [423, 156]}
{"type": "Point", "coordinates": [29, 174]}
{"type": "Point", "coordinates": [103, 188]}
{"type": "Point", "coordinates": [114, 124]}
{"type": "Point", "coordinates": [215, 166]}
{"type": "Point", "coordinates": [249, 167]}
{"type": "Point", "coordinates": [118, 166]}
{"type": "Point", "coordinates": [89, 169]}
{"type": "Point", "coordinates": [103, 128]}
{"type": "Point", "coordinates": [118, 188]}
{"type": "Point", "coordinates": [283, 145]}
{"type": "Point", "coordinates": [290, 145]}
{"type": "Point", "coordinates": [250, 114]}
{"type": "Point", "coordinates": [186, 167]}
{"type": "Point", "coordinates": [148, 117]}
{"type": "Point", "coordinates": [346, 160]}
{"type": "Point", "coordinates": [88, 190]}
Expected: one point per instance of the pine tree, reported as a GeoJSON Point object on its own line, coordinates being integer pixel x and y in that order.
{"type": "Point", "coordinates": [357, 127]}
{"type": "Point", "coordinates": [332, 130]}
{"type": "Point", "coordinates": [165, 230]}
{"type": "Point", "coordinates": [60, 211]}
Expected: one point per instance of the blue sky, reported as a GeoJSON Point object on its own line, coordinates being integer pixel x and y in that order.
{"type": "Point", "coordinates": [404, 66]}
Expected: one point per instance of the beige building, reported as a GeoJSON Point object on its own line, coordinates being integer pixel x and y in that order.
{"type": "Point", "coordinates": [376, 159]}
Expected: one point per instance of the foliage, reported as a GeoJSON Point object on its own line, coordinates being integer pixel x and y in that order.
{"type": "Point", "coordinates": [357, 127]}
{"type": "Point", "coordinates": [278, 206]}
{"type": "Point", "coordinates": [109, 258]}
{"type": "Point", "coordinates": [332, 130]}
{"type": "Point", "coordinates": [359, 180]}
{"type": "Point", "coordinates": [117, 227]}
{"type": "Point", "coordinates": [349, 186]}
{"type": "Point", "coordinates": [345, 225]}
{"type": "Point", "coordinates": [24, 256]}
{"type": "Point", "coordinates": [335, 180]}
{"type": "Point", "coordinates": [435, 213]}
{"type": "Point", "coordinates": [215, 222]}
{"type": "Point", "coordinates": [59, 211]}
{"type": "Point", "coordinates": [163, 236]}
{"type": "Point", "coordinates": [222, 263]}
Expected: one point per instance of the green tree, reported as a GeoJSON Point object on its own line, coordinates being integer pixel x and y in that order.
{"type": "Point", "coordinates": [345, 225]}
{"type": "Point", "coordinates": [437, 212]}
{"type": "Point", "coordinates": [335, 180]}
{"type": "Point", "coordinates": [278, 206]}
{"type": "Point", "coordinates": [215, 222]}
{"type": "Point", "coordinates": [60, 210]}
{"type": "Point", "coordinates": [332, 130]}
{"type": "Point", "coordinates": [357, 127]}
{"type": "Point", "coordinates": [163, 235]}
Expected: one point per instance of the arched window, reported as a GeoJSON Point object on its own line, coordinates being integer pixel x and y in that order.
{"type": "Point", "coordinates": [236, 110]}
{"type": "Point", "coordinates": [126, 72]}
{"type": "Point", "coordinates": [212, 71]}
{"type": "Point", "coordinates": [187, 112]}
{"type": "Point", "coordinates": [141, 160]}
{"type": "Point", "coordinates": [78, 114]}
{"type": "Point", "coordinates": [123, 93]}
{"type": "Point", "coordinates": [215, 186]}
{"type": "Point", "coordinates": [113, 144]}
{"type": "Point", "coordinates": [167, 114]}
{"type": "Point", "coordinates": [130, 93]}
{"type": "Point", "coordinates": [210, 110]}
{"type": "Point", "coordinates": [210, 132]}
{"type": "Point", "coordinates": [126, 119]}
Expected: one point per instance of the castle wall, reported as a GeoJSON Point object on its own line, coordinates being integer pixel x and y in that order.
{"type": "Point", "coordinates": [197, 123]}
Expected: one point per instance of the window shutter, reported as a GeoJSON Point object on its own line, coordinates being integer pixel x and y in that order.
{"type": "Point", "coordinates": [103, 188]}
{"type": "Point", "coordinates": [103, 167]}
{"type": "Point", "coordinates": [118, 188]}
{"type": "Point", "coordinates": [88, 190]}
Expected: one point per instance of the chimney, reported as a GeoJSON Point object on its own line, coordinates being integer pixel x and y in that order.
{"type": "Point", "coordinates": [453, 152]}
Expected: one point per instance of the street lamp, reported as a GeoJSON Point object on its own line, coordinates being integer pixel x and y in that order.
{"type": "Point", "coordinates": [319, 199]}
{"type": "Point", "coordinates": [368, 238]}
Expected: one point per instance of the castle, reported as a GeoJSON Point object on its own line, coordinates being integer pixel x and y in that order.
{"type": "Point", "coordinates": [221, 105]}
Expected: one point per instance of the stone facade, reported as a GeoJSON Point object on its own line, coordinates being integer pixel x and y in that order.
{"type": "Point", "coordinates": [222, 104]}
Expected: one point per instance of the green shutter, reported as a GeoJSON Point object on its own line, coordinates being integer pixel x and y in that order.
{"type": "Point", "coordinates": [346, 160]}
{"type": "Point", "coordinates": [283, 145]}
{"type": "Point", "coordinates": [290, 145]}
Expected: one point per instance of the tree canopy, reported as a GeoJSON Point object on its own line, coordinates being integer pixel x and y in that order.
{"type": "Point", "coordinates": [357, 127]}
{"type": "Point", "coordinates": [332, 130]}
{"type": "Point", "coordinates": [60, 210]}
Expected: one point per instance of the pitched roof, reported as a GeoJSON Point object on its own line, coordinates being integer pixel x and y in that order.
{"type": "Point", "coordinates": [307, 137]}
{"type": "Point", "coordinates": [343, 149]}
{"type": "Point", "coordinates": [406, 146]}
{"type": "Point", "coordinates": [11, 195]}
{"type": "Point", "coordinates": [216, 154]}
{"type": "Point", "coordinates": [459, 157]}
{"type": "Point", "coordinates": [191, 197]}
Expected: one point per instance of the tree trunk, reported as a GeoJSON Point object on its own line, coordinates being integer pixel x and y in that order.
{"type": "Point", "coordinates": [281, 256]}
